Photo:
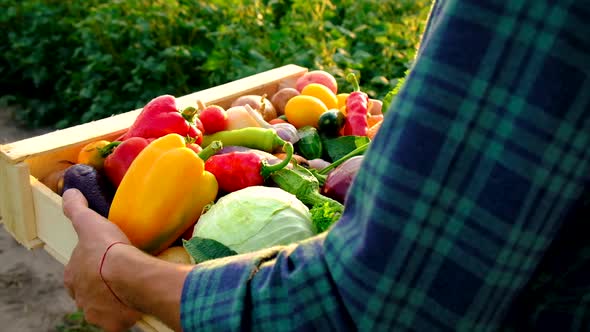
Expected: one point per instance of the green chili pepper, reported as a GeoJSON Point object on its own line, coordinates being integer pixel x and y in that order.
{"type": "Point", "coordinates": [264, 139]}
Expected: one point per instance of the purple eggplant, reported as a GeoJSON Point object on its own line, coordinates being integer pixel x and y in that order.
{"type": "Point", "coordinates": [338, 180]}
{"type": "Point", "coordinates": [98, 191]}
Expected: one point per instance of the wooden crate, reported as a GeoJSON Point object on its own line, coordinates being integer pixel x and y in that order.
{"type": "Point", "coordinates": [32, 213]}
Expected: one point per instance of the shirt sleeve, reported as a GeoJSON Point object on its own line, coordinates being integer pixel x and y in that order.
{"type": "Point", "coordinates": [466, 184]}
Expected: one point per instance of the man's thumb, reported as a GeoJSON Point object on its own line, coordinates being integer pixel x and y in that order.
{"type": "Point", "coordinates": [75, 207]}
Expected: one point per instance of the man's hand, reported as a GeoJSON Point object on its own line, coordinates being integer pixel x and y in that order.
{"type": "Point", "coordinates": [82, 277]}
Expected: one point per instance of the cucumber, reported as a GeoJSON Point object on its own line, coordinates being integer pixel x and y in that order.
{"type": "Point", "coordinates": [309, 145]}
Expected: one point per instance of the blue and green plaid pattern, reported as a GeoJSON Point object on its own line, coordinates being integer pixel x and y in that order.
{"type": "Point", "coordinates": [468, 213]}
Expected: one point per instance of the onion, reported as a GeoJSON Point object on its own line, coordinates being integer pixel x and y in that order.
{"type": "Point", "coordinates": [286, 131]}
{"type": "Point", "coordinates": [262, 105]}
{"type": "Point", "coordinates": [296, 158]}
{"type": "Point", "coordinates": [318, 163]}
{"type": "Point", "coordinates": [338, 181]}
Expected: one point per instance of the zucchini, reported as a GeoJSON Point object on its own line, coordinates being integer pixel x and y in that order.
{"type": "Point", "coordinates": [331, 122]}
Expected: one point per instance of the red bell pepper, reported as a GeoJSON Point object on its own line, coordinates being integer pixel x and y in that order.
{"type": "Point", "coordinates": [357, 109]}
{"type": "Point", "coordinates": [161, 117]}
{"type": "Point", "coordinates": [240, 169]}
{"type": "Point", "coordinates": [117, 163]}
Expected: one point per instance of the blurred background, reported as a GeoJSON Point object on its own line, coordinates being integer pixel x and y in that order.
{"type": "Point", "coordinates": [64, 63]}
{"type": "Point", "coordinates": [67, 62]}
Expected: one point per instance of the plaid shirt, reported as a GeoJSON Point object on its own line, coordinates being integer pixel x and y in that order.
{"type": "Point", "coordinates": [468, 213]}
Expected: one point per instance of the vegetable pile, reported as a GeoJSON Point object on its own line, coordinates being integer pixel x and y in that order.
{"type": "Point", "coordinates": [269, 170]}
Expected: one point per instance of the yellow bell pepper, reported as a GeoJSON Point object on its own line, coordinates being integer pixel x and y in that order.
{"type": "Point", "coordinates": [162, 194]}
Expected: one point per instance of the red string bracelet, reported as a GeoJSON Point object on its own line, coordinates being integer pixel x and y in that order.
{"type": "Point", "coordinates": [104, 255]}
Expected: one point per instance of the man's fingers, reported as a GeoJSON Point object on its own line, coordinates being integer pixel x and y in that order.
{"type": "Point", "coordinates": [75, 207]}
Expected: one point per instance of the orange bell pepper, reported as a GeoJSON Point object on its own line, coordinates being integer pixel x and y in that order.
{"type": "Point", "coordinates": [374, 129]}
{"type": "Point", "coordinates": [162, 194]}
{"type": "Point", "coordinates": [94, 153]}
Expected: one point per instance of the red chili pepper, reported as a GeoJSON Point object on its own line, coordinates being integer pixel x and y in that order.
{"type": "Point", "coordinates": [161, 117]}
{"type": "Point", "coordinates": [238, 170]}
{"type": "Point", "coordinates": [117, 163]}
{"type": "Point", "coordinates": [357, 108]}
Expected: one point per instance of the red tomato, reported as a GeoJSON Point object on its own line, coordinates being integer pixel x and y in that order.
{"type": "Point", "coordinates": [195, 147]}
{"type": "Point", "coordinates": [277, 120]}
{"type": "Point", "coordinates": [214, 119]}
{"type": "Point", "coordinates": [199, 124]}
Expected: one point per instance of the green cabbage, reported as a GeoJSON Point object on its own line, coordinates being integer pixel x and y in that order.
{"type": "Point", "coordinates": [254, 218]}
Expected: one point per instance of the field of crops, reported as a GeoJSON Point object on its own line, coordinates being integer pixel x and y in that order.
{"type": "Point", "coordinates": [66, 62]}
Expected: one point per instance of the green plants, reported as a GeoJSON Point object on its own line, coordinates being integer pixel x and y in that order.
{"type": "Point", "coordinates": [66, 63]}
{"type": "Point", "coordinates": [75, 322]}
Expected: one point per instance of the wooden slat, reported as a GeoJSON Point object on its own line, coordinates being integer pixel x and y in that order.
{"type": "Point", "coordinates": [156, 324]}
{"type": "Point", "coordinates": [144, 326]}
{"type": "Point", "coordinates": [3, 189]}
{"type": "Point", "coordinates": [62, 139]}
{"type": "Point", "coordinates": [18, 212]}
{"type": "Point", "coordinates": [116, 125]}
{"type": "Point", "coordinates": [265, 82]}
{"type": "Point", "coordinates": [53, 227]}
{"type": "Point", "coordinates": [43, 164]}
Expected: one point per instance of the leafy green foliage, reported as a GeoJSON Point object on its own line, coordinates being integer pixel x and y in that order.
{"type": "Point", "coordinates": [70, 62]}
{"type": "Point", "coordinates": [388, 99]}
{"type": "Point", "coordinates": [324, 215]}
{"type": "Point", "coordinates": [75, 322]}
{"type": "Point", "coordinates": [202, 249]}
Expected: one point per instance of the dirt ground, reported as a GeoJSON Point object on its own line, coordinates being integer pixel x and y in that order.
{"type": "Point", "coordinates": [32, 296]}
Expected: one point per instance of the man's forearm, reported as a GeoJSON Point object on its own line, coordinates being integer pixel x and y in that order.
{"type": "Point", "coordinates": [147, 284]}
